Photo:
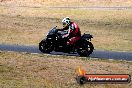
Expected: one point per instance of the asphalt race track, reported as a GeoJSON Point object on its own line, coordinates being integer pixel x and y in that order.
{"type": "Point", "coordinates": [96, 54]}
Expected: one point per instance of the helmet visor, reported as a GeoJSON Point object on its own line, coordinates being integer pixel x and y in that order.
{"type": "Point", "coordinates": [64, 24]}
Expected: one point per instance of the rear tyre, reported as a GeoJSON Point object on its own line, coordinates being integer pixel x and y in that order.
{"type": "Point", "coordinates": [85, 48]}
{"type": "Point", "coordinates": [44, 47]}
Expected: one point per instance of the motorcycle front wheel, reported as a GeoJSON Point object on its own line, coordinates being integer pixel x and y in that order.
{"type": "Point", "coordinates": [44, 47]}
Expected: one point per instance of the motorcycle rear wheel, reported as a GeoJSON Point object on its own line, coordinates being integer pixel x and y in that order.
{"type": "Point", "coordinates": [85, 49]}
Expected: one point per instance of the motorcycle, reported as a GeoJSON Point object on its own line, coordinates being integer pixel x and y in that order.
{"type": "Point", "coordinates": [55, 42]}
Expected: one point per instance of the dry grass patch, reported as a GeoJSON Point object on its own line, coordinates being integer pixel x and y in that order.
{"type": "Point", "coordinates": [67, 2]}
{"type": "Point", "coordinates": [23, 70]}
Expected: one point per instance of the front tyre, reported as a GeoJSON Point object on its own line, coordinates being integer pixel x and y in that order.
{"type": "Point", "coordinates": [85, 48]}
{"type": "Point", "coordinates": [44, 47]}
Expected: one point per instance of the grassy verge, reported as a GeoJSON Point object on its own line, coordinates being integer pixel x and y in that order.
{"type": "Point", "coordinates": [68, 3]}
{"type": "Point", "coordinates": [21, 70]}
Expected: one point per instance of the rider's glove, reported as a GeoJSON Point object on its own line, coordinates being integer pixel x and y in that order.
{"type": "Point", "coordinates": [64, 36]}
